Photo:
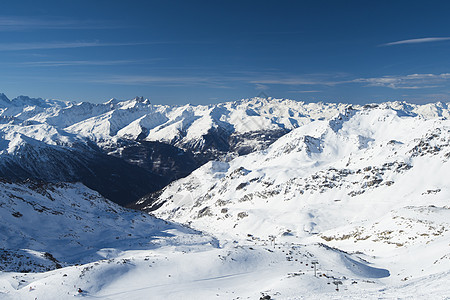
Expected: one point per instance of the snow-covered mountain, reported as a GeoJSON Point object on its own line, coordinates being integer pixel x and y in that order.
{"type": "Point", "coordinates": [229, 126]}
{"type": "Point", "coordinates": [220, 127]}
{"type": "Point", "coordinates": [126, 149]}
{"type": "Point", "coordinates": [55, 140]}
{"type": "Point", "coordinates": [337, 201]}
{"type": "Point", "coordinates": [371, 181]}
{"type": "Point", "coordinates": [43, 152]}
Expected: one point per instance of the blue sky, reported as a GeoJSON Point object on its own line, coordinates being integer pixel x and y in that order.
{"type": "Point", "coordinates": [212, 51]}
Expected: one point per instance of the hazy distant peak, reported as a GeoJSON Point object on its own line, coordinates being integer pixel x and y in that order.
{"type": "Point", "coordinates": [4, 101]}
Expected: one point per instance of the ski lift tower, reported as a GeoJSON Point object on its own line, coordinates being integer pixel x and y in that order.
{"type": "Point", "coordinates": [314, 263]}
{"type": "Point", "coordinates": [337, 283]}
{"type": "Point", "coordinates": [272, 240]}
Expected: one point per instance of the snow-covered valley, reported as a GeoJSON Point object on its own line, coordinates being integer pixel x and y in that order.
{"type": "Point", "coordinates": [299, 201]}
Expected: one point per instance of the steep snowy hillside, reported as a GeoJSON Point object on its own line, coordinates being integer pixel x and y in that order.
{"type": "Point", "coordinates": [47, 226]}
{"type": "Point", "coordinates": [354, 153]}
{"type": "Point", "coordinates": [373, 182]}
{"type": "Point", "coordinates": [42, 152]}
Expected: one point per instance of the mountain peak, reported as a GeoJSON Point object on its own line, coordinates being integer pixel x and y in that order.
{"type": "Point", "coordinates": [139, 99]}
{"type": "Point", "coordinates": [4, 101]}
{"type": "Point", "coordinates": [112, 101]}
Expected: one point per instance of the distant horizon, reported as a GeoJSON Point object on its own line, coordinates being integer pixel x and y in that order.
{"type": "Point", "coordinates": [225, 100]}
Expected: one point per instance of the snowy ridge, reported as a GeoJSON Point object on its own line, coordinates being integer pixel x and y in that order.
{"type": "Point", "coordinates": [186, 126]}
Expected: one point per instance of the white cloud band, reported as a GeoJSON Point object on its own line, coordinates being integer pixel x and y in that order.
{"type": "Point", "coordinates": [418, 41]}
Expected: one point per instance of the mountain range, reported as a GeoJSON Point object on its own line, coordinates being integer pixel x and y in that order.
{"type": "Point", "coordinates": [127, 149]}
{"type": "Point", "coordinates": [268, 198]}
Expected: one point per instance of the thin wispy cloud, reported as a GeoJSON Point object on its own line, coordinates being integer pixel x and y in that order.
{"type": "Point", "coordinates": [418, 41]}
{"type": "Point", "coordinates": [313, 79]}
{"type": "Point", "coordinates": [411, 82]}
{"type": "Point", "coordinates": [80, 63]}
{"type": "Point", "coordinates": [59, 45]}
{"type": "Point", "coordinates": [17, 23]}
{"type": "Point", "coordinates": [304, 92]}
{"type": "Point", "coordinates": [298, 85]}
{"type": "Point", "coordinates": [295, 81]}
{"type": "Point", "coordinates": [407, 82]}
{"type": "Point", "coordinates": [157, 80]}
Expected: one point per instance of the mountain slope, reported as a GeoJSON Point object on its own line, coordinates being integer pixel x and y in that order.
{"type": "Point", "coordinates": [75, 225]}
{"type": "Point", "coordinates": [43, 152]}
{"type": "Point", "coordinates": [372, 181]}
